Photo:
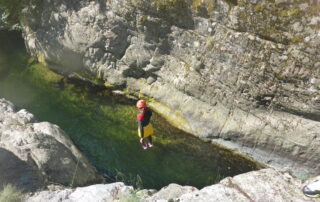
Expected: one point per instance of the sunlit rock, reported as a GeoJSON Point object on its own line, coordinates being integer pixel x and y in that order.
{"type": "Point", "coordinates": [34, 154]}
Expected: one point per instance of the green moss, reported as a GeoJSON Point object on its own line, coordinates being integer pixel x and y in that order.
{"type": "Point", "coordinates": [196, 4]}
{"type": "Point", "coordinates": [244, 18]}
{"type": "Point", "coordinates": [232, 2]}
{"type": "Point", "coordinates": [10, 194]}
{"type": "Point", "coordinates": [208, 4]}
{"type": "Point", "coordinates": [258, 8]}
{"type": "Point", "coordinates": [143, 19]}
{"type": "Point", "coordinates": [297, 38]}
{"type": "Point", "coordinates": [293, 11]}
{"type": "Point", "coordinates": [88, 75]}
{"type": "Point", "coordinates": [108, 85]}
{"type": "Point", "coordinates": [41, 72]}
{"type": "Point", "coordinates": [127, 90]}
{"type": "Point", "coordinates": [277, 3]}
{"type": "Point", "coordinates": [175, 118]}
{"type": "Point", "coordinates": [166, 4]}
{"type": "Point", "coordinates": [288, 13]}
{"type": "Point", "coordinates": [42, 59]}
{"type": "Point", "coordinates": [270, 31]}
{"type": "Point", "coordinates": [241, 3]}
{"type": "Point", "coordinates": [273, 34]}
{"type": "Point", "coordinates": [209, 44]}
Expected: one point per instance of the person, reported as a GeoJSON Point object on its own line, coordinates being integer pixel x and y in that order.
{"type": "Point", "coordinates": [145, 129]}
{"type": "Point", "coordinates": [312, 189]}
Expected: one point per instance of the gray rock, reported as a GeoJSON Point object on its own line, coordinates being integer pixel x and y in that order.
{"type": "Point", "coordinates": [33, 154]}
{"type": "Point", "coordinates": [97, 193]}
{"type": "Point", "coordinates": [171, 192]}
{"type": "Point", "coordinates": [150, 80]}
{"type": "Point", "coordinates": [263, 185]}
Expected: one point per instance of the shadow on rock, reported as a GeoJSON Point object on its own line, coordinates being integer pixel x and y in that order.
{"type": "Point", "coordinates": [18, 173]}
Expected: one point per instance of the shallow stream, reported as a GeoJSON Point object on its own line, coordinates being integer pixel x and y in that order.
{"type": "Point", "coordinates": [103, 127]}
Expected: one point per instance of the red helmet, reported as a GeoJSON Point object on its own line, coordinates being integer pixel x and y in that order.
{"type": "Point", "coordinates": [141, 104]}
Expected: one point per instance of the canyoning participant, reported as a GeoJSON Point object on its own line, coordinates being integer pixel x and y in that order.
{"type": "Point", "coordinates": [145, 129]}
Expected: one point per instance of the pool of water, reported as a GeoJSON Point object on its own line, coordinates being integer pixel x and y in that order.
{"type": "Point", "coordinates": [103, 127]}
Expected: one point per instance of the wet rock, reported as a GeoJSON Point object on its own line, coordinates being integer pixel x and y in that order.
{"type": "Point", "coordinates": [36, 153]}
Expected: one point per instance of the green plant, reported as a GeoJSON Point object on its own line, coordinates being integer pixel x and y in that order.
{"type": "Point", "coordinates": [129, 179]}
{"type": "Point", "coordinates": [10, 194]}
{"type": "Point", "coordinates": [166, 4]}
{"type": "Point", "coordinates": [12, 10]}
{"type": "Point", "coordinates": [139, 183]}
{"type": "Point", "coordinates": [132, 197]}
{"type": "Point", "coordinates": [74, 174]}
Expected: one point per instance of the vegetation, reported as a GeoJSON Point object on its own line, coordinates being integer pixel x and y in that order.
{"type": "Point", "coordinates": [11, 11]}
{"type": "Point", "coordinates": [209, 5]}
{"type": "Point", "coordinates": [166, 4]}
{"type": "Point", "coordinates": [132, 197]}
{"type": "Point", "coordinates": [10, 194]}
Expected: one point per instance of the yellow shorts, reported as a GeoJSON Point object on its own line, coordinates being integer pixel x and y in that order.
{"type": "Point", "coordinates": [147, 130]}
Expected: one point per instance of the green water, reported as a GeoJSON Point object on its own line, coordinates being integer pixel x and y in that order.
{"type": "Point", "coordinates": [103, 127]}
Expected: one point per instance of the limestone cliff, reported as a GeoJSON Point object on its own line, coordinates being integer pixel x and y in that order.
{"type": "Point", "coordinates": [243, 73]}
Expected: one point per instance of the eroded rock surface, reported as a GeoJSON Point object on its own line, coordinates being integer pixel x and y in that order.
{"type": "Point", "coordinates": [241, 73]}
{"type": "Point", "coordinates": [33, 154]}
{"type": "Point", "coordinates": [263, 185]}
{"type": "Point", "coordinates": [98, 193]}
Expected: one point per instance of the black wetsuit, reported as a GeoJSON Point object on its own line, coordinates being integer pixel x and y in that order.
{"type": "Point", "coordinates": [143, 119]}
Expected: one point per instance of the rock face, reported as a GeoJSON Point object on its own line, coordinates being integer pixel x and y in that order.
{"type": "Point", "coordinates": [99, 192]}
{"type": "Point", "coordinates": [263, 185]}
{"type": "Point", "coordinates": [33, 154]}
{"type": "Point", "coordinates": [251, 67]}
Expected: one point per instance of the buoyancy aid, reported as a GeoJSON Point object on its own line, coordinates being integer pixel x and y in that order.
{"type": "Point", "coordinates": [143, 120]}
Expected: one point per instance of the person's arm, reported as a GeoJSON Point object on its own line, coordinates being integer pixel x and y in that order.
{"type": "Point", "coordinates": [140, 128]}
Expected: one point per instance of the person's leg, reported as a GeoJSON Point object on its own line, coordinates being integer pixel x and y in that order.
{"type": "Point", "coordinates": [144, 145]}
{"type": "Point", "coordinates": [150, 144]}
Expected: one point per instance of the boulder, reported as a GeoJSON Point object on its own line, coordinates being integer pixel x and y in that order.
{"type": "Point", "coordinates": [98, 192]}
{"type": "Point", "coordinates": [262, 185]}
{"type": "Point", "coordinates": [36, 153]}
{"type": "Point", "coordinates": [168, 193]}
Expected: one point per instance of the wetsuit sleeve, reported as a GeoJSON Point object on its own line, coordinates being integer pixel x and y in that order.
{"type": "Point", "coordinates": [140, 126]}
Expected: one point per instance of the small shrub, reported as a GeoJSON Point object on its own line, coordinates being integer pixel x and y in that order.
{"type": "Point", "coordinates": [10, 194]}
{"type": "Point", "coordinates": [132, 197]}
